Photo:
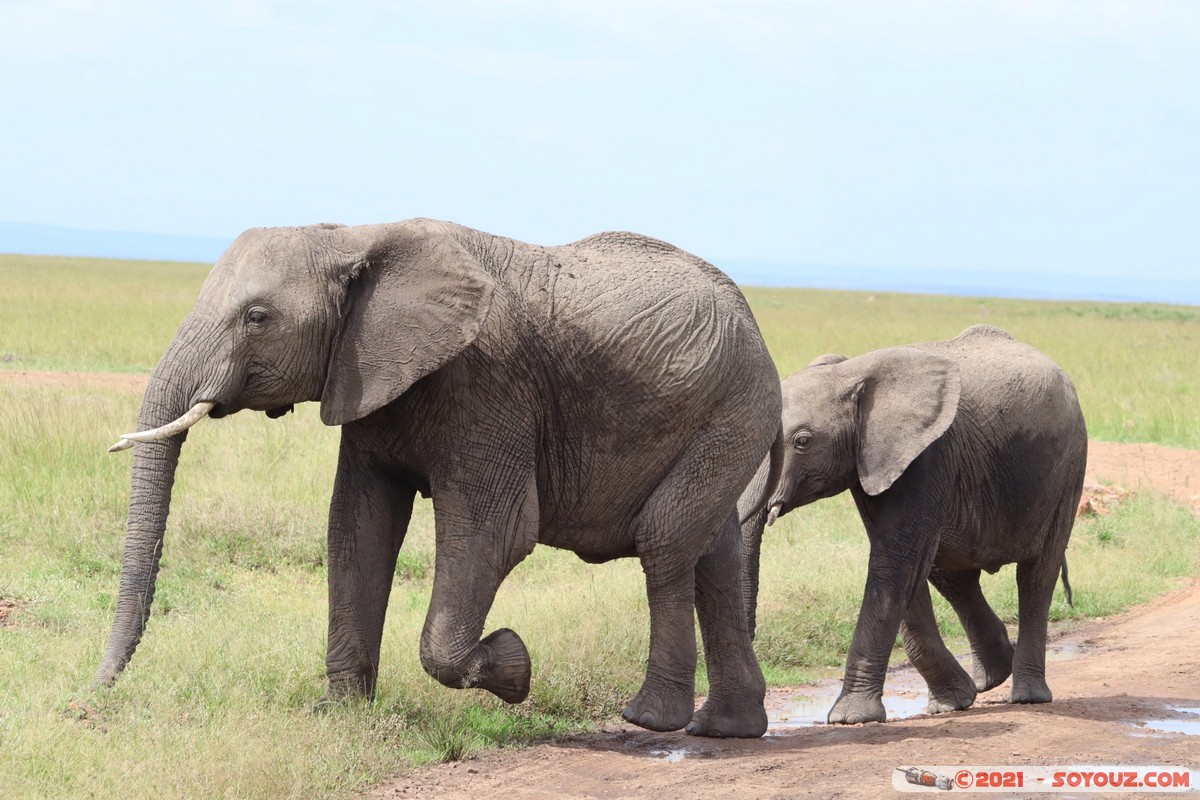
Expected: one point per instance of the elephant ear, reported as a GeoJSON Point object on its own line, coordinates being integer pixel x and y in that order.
{"type": "Point", "coordinates": [415, 299]}
{"type": "Point", "coordinates": [907, 398]}
{"type": "Point", "coordinates": [826, 360]}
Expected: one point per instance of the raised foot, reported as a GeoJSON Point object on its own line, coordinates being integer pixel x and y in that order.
{"type": "Point", "coordinates": [950, 698]}
{"type": "Point", "coordinates": [990, 672]}
{"type": "Point", "coordinates": [660, 710]}
{"type": "Point", "coordinates": [499, 664]}
{"type": "Point", "coordinates": [505, 669]}
{"type": "Point", "coordinates": [1030, 692]}
{"type": "Point", "coordinates": [853, 708]}
{"type": "Point", "coordinates": [724, 721]}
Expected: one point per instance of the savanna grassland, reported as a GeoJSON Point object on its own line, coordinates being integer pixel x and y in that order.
{"type": "Point", "coordinates": [216, 700]}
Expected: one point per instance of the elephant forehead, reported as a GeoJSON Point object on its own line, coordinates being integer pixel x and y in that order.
{"type": "Point", "coordinates": [274, 254]}
{"type": "Point", "coordinates": [814, 384]}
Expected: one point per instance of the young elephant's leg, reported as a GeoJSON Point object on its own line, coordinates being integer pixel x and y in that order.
{"type": "Point", "coordinates": [736, 687]}
{"type": "Point", "coordinates": [1035, 589]}
{"type": "Point", "coordinates": [991, 651]}
{"type": "Point", "coordinates": [891, 580]}
{"type": "Point", "coordinates": [368, 518]}
{"type": "Point", "coordinates": [950, 688]}
{"type": "Point", "coordinates": [479, 541]}
{"type": "Point", "coordinates": [903, 538]}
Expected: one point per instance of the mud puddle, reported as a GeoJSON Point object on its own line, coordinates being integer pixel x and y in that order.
{"type": "Point", "coordinates": [1185, 721]}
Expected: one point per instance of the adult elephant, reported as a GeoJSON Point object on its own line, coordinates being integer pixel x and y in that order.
{"type": "Point", "coordinates": [962, 456]}
{"type": "Point", "coordinates": [611, 397]}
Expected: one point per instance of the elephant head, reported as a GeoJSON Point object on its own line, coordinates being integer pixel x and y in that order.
{"type": "Point", "coordinates": [347, 316]}
{"type": "Point", "coordinates": [861, 420]}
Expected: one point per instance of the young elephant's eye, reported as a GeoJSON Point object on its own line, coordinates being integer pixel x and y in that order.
{"type": "Point", "coordinates": [256, 315]}
{"type": "Point", "coordinates": [801, 440]}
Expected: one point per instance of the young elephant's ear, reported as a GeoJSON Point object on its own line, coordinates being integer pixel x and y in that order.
{"type": "Point", "coordinates": [826, 360]}
{"type": "Point", "coordinates": [415, 299]}
{"type": "Point", "coordinates": [907, 398]}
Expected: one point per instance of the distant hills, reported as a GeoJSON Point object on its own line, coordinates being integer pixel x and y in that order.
{"type": "Point", "coordinates": [1136, 285]}
{"type": "Point", "coordinates": [1144, 286]}
{"type": "Point", "coordinates": [52, 240]}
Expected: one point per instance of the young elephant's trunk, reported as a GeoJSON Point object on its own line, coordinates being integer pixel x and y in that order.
{"type": "Point", "coordinates": [149, 503]}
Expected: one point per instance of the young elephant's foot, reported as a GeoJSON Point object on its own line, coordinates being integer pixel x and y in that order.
{"type": "Point", "coordinates": [729, 720]}
{"type": "Point", "coordinates": [951, 698]}
{"type": "Point", "coordinates": [853, 708]}
{"type": "Point", "coordinates": [992, 669]}
{"type": "Point", "coordinates": [1030, 690]}
{"type": "Point", "coordinates": [661, 708]}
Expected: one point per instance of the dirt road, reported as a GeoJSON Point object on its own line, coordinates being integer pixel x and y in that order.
{"type": "Point", "coordinates": [1109, 678]}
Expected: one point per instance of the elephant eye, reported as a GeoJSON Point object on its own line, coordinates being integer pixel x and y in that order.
{"type": "Point", "coordinates": [801, 440]}
{"type": "Point", "coordinates": [256, 316]}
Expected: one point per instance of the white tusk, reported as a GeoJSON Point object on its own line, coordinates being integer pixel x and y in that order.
{"type": "Point", "coordinates": [197, 413]}
{"type": "Point", "coordinates": [774, 513]}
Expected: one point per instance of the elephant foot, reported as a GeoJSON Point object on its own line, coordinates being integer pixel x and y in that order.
{"type": "Point", "coordinates": [728, 720]}
{"type": "Point", "coordinates": [344, 687]}
{"type": "Point", "coordinates": [499, 664]}
{"type": "Point", "coordinates": [992, 670]}
{"type": "Point", "coordinates": [855, 707]}
{"type": "Point", "coordinates": [1030, 691]}
{"type": "Point", "coordinates": [660, 709]}
{"type": "Point", "coordinates": [950, 698]}
{"type": "Point", "coordinates": [506, 669]}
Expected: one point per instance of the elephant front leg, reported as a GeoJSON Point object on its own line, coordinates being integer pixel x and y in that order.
{"type": "Point", "coordinates": [368, 518]}
{"type": "Point", "coordinates": [473, 557]}
{"type": "Point", "coordinates": [892, 580]}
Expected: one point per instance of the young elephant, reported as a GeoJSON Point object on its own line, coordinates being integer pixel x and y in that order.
{"type": "Point", "coordinates": [961, 456]}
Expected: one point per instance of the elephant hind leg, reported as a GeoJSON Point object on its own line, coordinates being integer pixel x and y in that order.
{"type": "Point", "coordinates": [680, 521]}
{"type": "Point", "coordinates": [1036, 581]}
{"type": "Point", "coordinates": [991, 650]}
{"type": "Point", "coordinates": [734, 707]}
{"type": "Point", "coordinates": [950, 688]}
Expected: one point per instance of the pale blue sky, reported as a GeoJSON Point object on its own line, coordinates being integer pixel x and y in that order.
{"type": "Point", "coordinates": [1023, 136]}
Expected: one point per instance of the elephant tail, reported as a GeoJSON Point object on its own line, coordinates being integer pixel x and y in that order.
{"type": "Point", "coordinates": [1067, 582]}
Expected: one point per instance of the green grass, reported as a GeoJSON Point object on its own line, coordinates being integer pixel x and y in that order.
{"type": "Point", "coordinates": [216, 701]}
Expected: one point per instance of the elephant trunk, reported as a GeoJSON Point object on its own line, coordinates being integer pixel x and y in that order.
{"type": "Point", "coordinates": [154, 464]}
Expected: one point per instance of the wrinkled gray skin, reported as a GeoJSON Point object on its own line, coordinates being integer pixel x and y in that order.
{"type": "Point", "coordinates": [961, 456]}
{"type": "Point", "coordinates": [611, 397]}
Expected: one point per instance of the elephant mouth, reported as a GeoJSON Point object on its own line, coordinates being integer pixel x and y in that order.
{"type": "Point", "coordinates": [275, 412]}
{"type": "Point", "coordinates": [219, 411]}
